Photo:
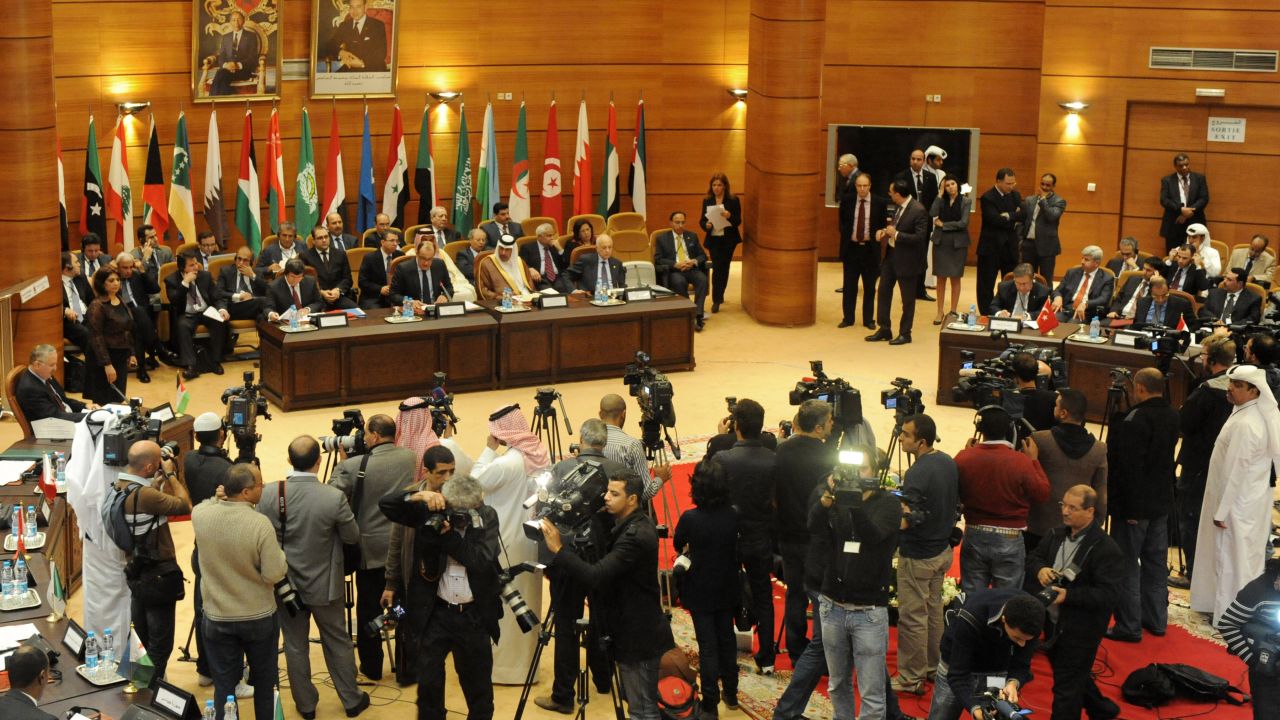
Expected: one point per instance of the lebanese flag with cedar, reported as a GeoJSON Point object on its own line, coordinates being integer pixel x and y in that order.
{"type": "Point", "coordinates": [1047, 320]}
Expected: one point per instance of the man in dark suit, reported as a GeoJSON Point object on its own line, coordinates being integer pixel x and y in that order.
{"type": "Point", "coordinates": [39, 393]}
{"type": "Point", "coordinates": [1128, 258]}
{"type": "Point", "coordinates": [1183, 195]}
{"type": "Point", "coordinates": [1183, 274]}
{"type": "Point", "coordinates": [502, 225]}
{"type": "Point", "coordinates": [906, 241]}
{"type": "Point", "coordinates": [440, 223]}
{"type": "Point", "coordinates": [333, 270]}
{"type": "Point", "coordinates": [466, 260]}
{"type": "Point", "coordinates": [136, 289]}
{"type": "Point", "coordinates": [92, 259]}
{"type": "Point", "coordinates": [375, 280]}
{"type": "Point", "coordinates": [237, 57]}
{"type": "Point", "coordinates": [1022, 297]}
{"type": "Point", "coordinates": [28, 669]}
{"type": "Point", "coordinates": [426, 279]}
{"type": "Point", "coordinates": [244, 289]}
{"type": "Point", "coordinates": [546, 260]}
{"type": "Point", "coordinates": [1002, 211]}
{"type": "Point", "coordinates": [862, 217]}
{"type": "Point", "coordinates": [151, 253]}
{"type": "Point", "coordinates": [924, 187]}
{"type": "Point", "coordinates": [589, 270]}
{"type": "Point", "coordinates": [1043, 212]}
{"type": "Point", "coordinates": [338, 239]}
{"type": "Point", "coordinates": [1085, 291]}
{"type": "Point", "coordinates": [1159, 307]}
{"type": "Point", "coordinates": [75, 302]}
{"type": "Point", "coordinates": [680, 261]}
{"type": "Point", "coordinates": [273, 257]}
{"type": "Point", "coordinates": [192, 291]}
{"type": "Point", "coordinates": [293, 289]}
{"type": "Point", "coordinates": [208, 247]}
{"type": "Point", "coordinates": [1135, 289]}
{"type": "Point", "coordinates": [381, 226]}
{"type": "Point", "coordinates": [1233, 303]}
{"type": "Point", "coordinates": [360, 42]}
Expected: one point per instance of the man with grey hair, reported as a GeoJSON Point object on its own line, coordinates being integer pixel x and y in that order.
{"type": "Point", "coordinates": [1128, 257]}
{"type": "Point", "coordinates": [40, 395]}
{"type": "Point", "coordinates": [466, 259]}
{"type": "Point", "coordinates": [1085, 291]}
{"type": "Point", "coordinates": [273, 257]}
{"type": "Point", "coordinates": [440, 221]}
{"type": "Point", "coordinates": [547, 260]}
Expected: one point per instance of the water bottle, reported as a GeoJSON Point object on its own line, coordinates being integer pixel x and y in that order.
{"type": "Point", "coordinates": [6, 580]}
{"type": "Point", "coordinates": [506, 298]}
{"type": "Point", "coordinates": [973, 316]}
{"type": "Point", "coordinates": [406, 311]}
{"type": "Point", "coordinates": [229, 710]}
{"type": "Point", "coordinates": [107, 653]}
{"type": "Point", "coordinates": [15, 518]}
{"type": "Point", "coordinates": [601, 295]}
{"type": "Point", "coordinates": [210, 713]}
{"type": "Point", "coordinates": [91, 653]}
{"type": "Point", "coordinates": [1095, 328]}
{"type": "Point", "coordinates": [61, 477]}
{"type": "Point", "coordinates": [31, 522]}
{"type": "Point", "coordinates": [20, 580]}
{"type": "Point", "coordinates": [293, 317]}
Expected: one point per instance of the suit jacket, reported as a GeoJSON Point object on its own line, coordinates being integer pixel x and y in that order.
{"type": "Point", "coordinates": [448, 233]}
{"type": "Point", "coordinates": [1126, 293]}
{"type": "Point", "coordinates": [373, 275]}
{"type": "Point", "coordinates": [342, 242]}
{"type": "Point", "coordinates": [161, 255]}
{"type": "Point", "coordinates": [494, 232]}
{"type": "Point", "coordinates": [928, 180]}
{"type": "Point", "coordinates": [279, 298]}
{"type": "Point", "coordinates": [1178, 308]}
{"type": "Point", "coordinates": [531, 253]}
{"type": "Point", "coordinates": [1195, 281]}
{"type": "Point", "coordinates": [1262, 266]}
{"type": "Point", "coordinates": [388, 468]}
{"type": "Point", "coordinates": [318, 521]}
{"type": "Point", "coordinates": [466, 262]}
{"type": "Point", "coordinates": [587, 270]}
{"type": "Point", "coordinates": [369, 43]}
{"type": "Point", "coordinates": [203, 283]}
{"type": "Point", "coordinates": [37, 404]}
{"type": "Point", "coordinates": [732, 233]}
{"type": "Point", "coordinates": [1248, 307]}
{"type": "Point", "coordinates": [1001, 215]}
{"type": "Point", "coordinates": [228, 283]}
{"type": "Point", "coordinates": [85, 293]}
{"type": "Point", "coordinates": [1116, 265]}
{"type": "Point", "coordinates": [15, 705]}
{"type": "Point", "coordinates": [335, 274]}
{"type": "Point", "coordinates": [664, 251]}
{"type": "Point", "coordinates": [1097, 590]}
{"type": "Point", "coordinates": [1046, 224]}
{"type": "Point", "coordinates": [246, 54]}
{"type": "Point", "coordinates": [1100, 292]}
{"type": "Point", "coordinates": [103, 259]}
{"type": "Point", "coordinates": [141, 287]}
{"type": "Point", "coordinates": [846, 198]}
{"type": "Point", "coordinates": [878, 207]}
{"type": "Point", "coordinates": [912, 243]}
{"type": "Point", "coordinates": [407, 281]}
{"type": "Point", "coordinates": [271, 255]}
{"type": "Point", "coordinates": [1171, 201]}
{"type": "Point", "coordinates": [1007, 296]}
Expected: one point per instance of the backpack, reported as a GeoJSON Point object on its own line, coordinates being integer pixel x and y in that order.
{"type": "Point", "coordinates": [677, 699]}
{"type": "Point", "coordinates": [1147, 687]}
{"type": "Point", "coordinates": [1196, 684]}
{"type": "Point", "coordinates": [114, 522]}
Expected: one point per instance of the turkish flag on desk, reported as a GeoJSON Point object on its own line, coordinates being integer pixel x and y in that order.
{"type": "Point", "coordinates": [1046, 321]}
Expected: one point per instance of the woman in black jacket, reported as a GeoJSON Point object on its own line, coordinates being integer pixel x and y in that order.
{"type": "Point", "coordinates": [720, 243]}
{"type": "Point", "coordinates": [110, 352]}
{"type": "Point", "coordinates": [707, 536]}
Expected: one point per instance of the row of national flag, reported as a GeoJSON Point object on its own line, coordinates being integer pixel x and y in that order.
{"type": "Point", "coordinates": [113, 200]}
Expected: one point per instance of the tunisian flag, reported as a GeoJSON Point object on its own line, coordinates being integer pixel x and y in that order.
{"type": "Point", "coordinates": [582, 166]}
{"type": "Point", "coordinates": [1046, 321]}
{"type": "Point", "coordinates": [551, 168]}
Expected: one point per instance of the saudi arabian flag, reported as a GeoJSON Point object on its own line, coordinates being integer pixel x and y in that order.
{"type": "Point", "coordinates": [306, 200]}
{"type": "Point", "coordinates": [182, 210]}
{"type": "Point", "coordinates": [134, 663]}
{"type": "Point", "coordinates": [183, 397]}
{"type": "Point", "coordinates": [519, 197]}
{"type": "Point", "coordinates": [248, 196]}
{"type": "Point", "coordinates": [463, 197]}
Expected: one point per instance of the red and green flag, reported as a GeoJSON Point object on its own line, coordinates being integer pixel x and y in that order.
{"type": "Point", "coordinates": [274, 190]}
{"type": "Point", "coordinates": [248, 196]}
{"type": "Point", "coordinates": [93, 216]}
{"type": "Point", "coordinates": [518, 200]}
{"type": "Point", "coordinates": [155, 205]}
{"type": "Point", "coordinates": [609, 177]}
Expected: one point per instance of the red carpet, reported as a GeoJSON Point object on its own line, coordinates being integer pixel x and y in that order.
{"type": "Point", "coordinates": [1113, 664]}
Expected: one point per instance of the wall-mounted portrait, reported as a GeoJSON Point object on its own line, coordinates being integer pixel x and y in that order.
{"type": "Point", "coordinates": [354, 46]}
{"type": "Point", "coordinates": [235, 49]}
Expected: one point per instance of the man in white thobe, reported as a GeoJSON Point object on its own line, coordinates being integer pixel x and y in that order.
{"type": "Point", "coordinates": [1235, 519]}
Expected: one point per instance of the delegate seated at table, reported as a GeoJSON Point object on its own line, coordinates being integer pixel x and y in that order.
{"type": "Point", "coordinates": [503, 269]}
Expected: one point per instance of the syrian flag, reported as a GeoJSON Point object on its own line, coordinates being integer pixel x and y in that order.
{"type": "Point", "coordinates": [424, 172]}
{"type": "Point", "coordinates": [273, 192]}
{"type": "Point", "coordinates": [134, 662]}
{"type": "Point", "coordinates": [62, 196]}
{"type": "Point", "coordinates": [182, 398]}
{"type": "Point", "coordinates": [306, 201]}
{"type": "Point", "coordinates": [367, 205]}
{"type": "Point", "coordinates": [119, 194]}
{"type": "Point", "coordinates": [335, 187]}
{"type": "Point", "coordinates": [636, 183]}
{"type": "Point", "coordinates": [395, 191]}
{"type": "Point", "coordinates": [519, 197]}
{"type": "Point", "coordinates": [551, 168]}
{"type": "Point", "coordinates": [155, 206]}
{"type": "Point", "coordinates": [57, 591]}
{"type": "Point", "coordinates": [182, 213]}
{"type": "Point", "coordinates": [582, 166]}
{"type": "Point", "coordinates": [215, 213]}
{"type": "Point", "coordinates": [248, 196]}
{"type": "Point", "coordinates": [93, 219]}
{"type": "Point", "coordinates": [609, 178]}
{"type": "Point", "coordinates": [463, 195]}
{"type": "Point", "coordinates": [1046, 321]}
{"type": "Point", "coordinates": [487, 180]}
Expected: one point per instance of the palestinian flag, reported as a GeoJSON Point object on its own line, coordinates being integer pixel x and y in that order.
{"type": "Point", "coordinates": [155, 205]}
{"type": "Point", "coordinates": [57, 592]}
{"type": "Point", "coordinates": [424, 172]}
{"type": "Point", "coordinates": [248, 202]}
{"type": "Point", "coordinates": [93, 218]}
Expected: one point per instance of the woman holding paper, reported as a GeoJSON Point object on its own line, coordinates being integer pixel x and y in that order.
{"type": "Point", "coordinates": [109, 356]}
{"type": "Point", "coordinates": [721, 215]}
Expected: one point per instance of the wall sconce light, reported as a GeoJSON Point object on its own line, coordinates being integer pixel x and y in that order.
{"type": "Point", "coordinates": [129, 108]}
{"type": "Point", "coordinates": [1075, 107]}
{"type": "Point", "coordinates": [1211, 92]}
{"type": "Point", "coordinates": [445, 96]}
{"type": "Point", "coordinates": [739, 94]}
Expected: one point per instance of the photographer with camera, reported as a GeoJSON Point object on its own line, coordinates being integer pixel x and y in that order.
{"type": "Point", "coordinates": [365, 479]}
{"type": "Point", "coordinates": [1037, 403]}
{"type": "Point", "coordinates": [751, 470]}
{"type": "Point", "coordinates": [1081, 570]}
{"type": "Point", "coordinates": [455, 578]}
{"type": "Point", "coordinates": [313, 521]}
{"type": "Point", "coordinates": [153, 492]}
{"type": "Point", "coordinates": [998, 486]}
{"type": "Point", "coordinates": [239, 620]}
{"type": "Point", "coordinates": [631, 622]}
{"type": "Point", "coordinates": [1251, 628]}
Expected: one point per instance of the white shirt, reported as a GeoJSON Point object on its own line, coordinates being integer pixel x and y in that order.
{"type": "Point", "coordinates": [1210, 259]}
{"type": "Point", "coordinates": [73, 297]}
{"type": "Point", "coordinates": [454, 586]}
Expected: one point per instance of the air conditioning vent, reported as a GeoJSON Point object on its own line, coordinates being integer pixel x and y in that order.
{"type": "Point", "coordinates": [1163, 58]}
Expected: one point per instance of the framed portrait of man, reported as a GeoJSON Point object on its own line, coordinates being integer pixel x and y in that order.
{"type": "Point", "coordinates": [354, 48]}
{"type": "Point", "coordinates": [235, 49]}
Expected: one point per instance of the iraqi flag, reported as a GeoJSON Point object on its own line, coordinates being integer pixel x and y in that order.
{"type": "Point", "coordinates": [519, 197]}
{"type": "Point", "coordinates": [93, 216]}
{"type": "Point", "coordinates": [609, 178]}
{"type": "Point", "coordinates": [551, 168]}
{"type": "Point", "coordinates": [248, 196]}
{"type": "Point", "coordinates": [395, 190]}
{"type": "Point", "coordinates": [182, 211]}
{"type": "Point", "coordinates": [582, 166]}
{"type": "Point", "coordinates": [335, 187]}
{"type": "Point", "coordinates": [155, 205]}
{"type": "Point", "coordinates": [1047, 320]}
{"type": "Point", "coordinates": [119, 193]}
{"type": "Point", "coordinates": [62, 196]}
{"type": "Point", "coordinates": [636, 183]}
{"type": "Point", "coordinates": [215, 213]}
{"type": "Point", "coordinates": [274, 189]}
{"type": "Point", "coordinates": [424, 171]}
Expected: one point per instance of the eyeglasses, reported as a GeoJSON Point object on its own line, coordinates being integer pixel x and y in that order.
{"type": "Point", "coordinates": [1070, 508]}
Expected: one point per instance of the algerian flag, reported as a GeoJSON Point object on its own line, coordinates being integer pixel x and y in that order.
{"type": "Point", "coordinates": [134, 663]}
{"type": "Point", "coordinates": [57, 592]}
{"type": "Point", "coordinates": [519, 197]}
{"type": "Point", "coordinates": [183, 398]}
{"type": "Point", "coordinates": [487, 180]}
{"type": "Point", "coordinates": [248, 195]}
{"type": "Point", "coordinates": [182, 212]}
{"type": "Point", "coordinates": [463, 195]}
{"type": "Point", "coordinates": [306, 201]}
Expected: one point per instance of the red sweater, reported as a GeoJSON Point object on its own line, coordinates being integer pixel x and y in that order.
{"type": "Point", "coordinates": [998, 485]}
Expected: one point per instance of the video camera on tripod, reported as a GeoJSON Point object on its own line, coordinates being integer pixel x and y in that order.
{"type": "Point", "coordinates": [845, 400]}
{"type": "Point", "coordinates": [440, 403]}
{"type": "Point", "coordinates": [569, 499]}
{"type": "Point", "coordinates": [902, 399]}
{"type": "Point", "coordinates": [654, 394]}
{"type": "Point", "coordinates": [129, 429]}
{"type": "Point", "coordinates": [245, 404]}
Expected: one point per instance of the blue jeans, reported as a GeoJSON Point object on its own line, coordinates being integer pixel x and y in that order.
{"type": "Point", "coordinates": [228, 644]}
{"type": "Point", "coordinates": [809, 669]}
{"type": "Point", "coordinates": [991, 559]}
{"type": "Point", "coordinates": [856, 640]}
{"type": "Point", "coordinates": [640, 683]}
{"type": "Point", "coordinates": [1144, 601]}
{"type": "Point", "coordinates": [945, 705]}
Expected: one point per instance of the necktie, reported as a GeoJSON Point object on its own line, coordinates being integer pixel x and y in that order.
{"type": "Point", "coordinates": [73, 300]}
{"type": "Point", "coordinates": [297, 299]}
{"type": "Point", "coordinates": [204, 260]}
{"type": "Point", "coordinates": [919, 186]}
{"type": "Point", "coordinates": [56, 397]}
{"type": "Point", "coordinates": [242, 282]}
{"type": "Point", "coordinates": [1177, 278]}
{"type": "Point", "coordinates": [1156, 314]}
{"type": "Point", "coordinates": [1229, 307]}
{"type": "Point", "coordinates": [604, 275]}
{"type": "Point", "coordinates": [1248, 266]}
{"type": "Point", "coordinates": [504, 229]}
{"type": "Point", "coordinates": [195, 303]}
{"type": "Point", "coordinates": [235, 43]}
{"type": "Point", "coordinates": [128, 294]}
{"type": "Point", "coordinates": [548, 264]}
{"type": "Point", "coordinates": [324, 258]}
{"type": "Point", "coordinates": [1186, 187]}
{"type": "Point", "coordinates": [1020, 307]}
{"type": "Point", "coordinates": [1035, 213]}
{"type": "Point", "coordinates": [682, 252]}
{"type": "Point", "coordinates": [860, 221]}
{"type": "Point", "coordinates": [1083, 292]}
{"type": "Point", "coordinates": [386, 264]}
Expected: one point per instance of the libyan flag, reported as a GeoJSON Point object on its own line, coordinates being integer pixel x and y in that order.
{"type": "Point", "coordinates": [135, 664]}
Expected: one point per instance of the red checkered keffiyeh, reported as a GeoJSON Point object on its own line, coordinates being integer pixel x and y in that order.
{"type": "Point", "coordinates": [513, 429]}
{"type": "Point", "coordinates": [413, 431]}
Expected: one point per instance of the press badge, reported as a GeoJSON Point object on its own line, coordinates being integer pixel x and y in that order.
{"type": "Point", "coordinates": [852, 547]}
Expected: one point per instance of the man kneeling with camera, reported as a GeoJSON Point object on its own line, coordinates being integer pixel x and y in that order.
{"type": "Point", "coordinates": [456, 549]}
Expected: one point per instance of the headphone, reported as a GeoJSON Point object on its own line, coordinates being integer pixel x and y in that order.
{"type": "Point", "coordinates": [998, 413]}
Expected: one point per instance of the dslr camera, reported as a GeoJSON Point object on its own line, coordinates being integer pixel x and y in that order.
{"type": "Point", "coordinates": [388, 619]}
{"type": "Point", "coordinates": [288, 597]}
{"type": "Point", "coordinates": [129, 429]}
{"type": "Point", "coordinates": [526, 618]}
{"type": "Point", "coordinates": [348, 434]}
{"type": "Point", "coordinates": [845, 400]}
{"type": "Point", "coordinates": [1063, 579]}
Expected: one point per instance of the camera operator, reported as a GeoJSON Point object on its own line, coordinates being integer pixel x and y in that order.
{"type": "Point", "coordinates": [1246, 625]}
{"type": "Point", "coordinates": [751, 469]}
{"type": "Point", "coordinates": [568, 596]}
{"type": "Point", "coordinates": [1082, 570]}
{"type": "Point", "coordinates": [993, 635]}
{"type": "Point", "coordinates": [1261, 350]}
{"type": "Point", "coordinates": [365, 480]}
{"type": "Point", "coordinates": [1201, 418]}
{"type": "Point", "coordinates": [159, 494]}
{"type": "Point", "coordinates": [998, 486]}
{"type": "Point", "coordinates": [626, 450]}
{"type": "Point", "coordinates": [726, 437]}
{"type": "Point", "coordinates": [857, 537]}
{"type": "Point", "coordinates": [803, 460]}
{"type": "Point", "coordinates": [455, 587]}
{"type": "Point", "coordinates": [931, 487]}
{"type": "Point", "coordinates": [626, 581]}
{"type": "Point", "coordinates": [1037, 406]}
{"type": "Point", "coordinates": [1070, 456]}
{"type": "Point", "coordinates": [240, 617]}
{"type": "Point", "coordinates": [313, 521]}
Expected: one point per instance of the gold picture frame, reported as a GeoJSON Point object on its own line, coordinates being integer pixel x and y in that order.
{"type": "Point", "coordinates": [350, 57]}
{"type": "Point", "coordinates": [226, 67]}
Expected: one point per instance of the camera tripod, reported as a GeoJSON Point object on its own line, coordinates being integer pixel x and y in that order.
{"type": "Point", "coordinates": [1117, 402]}
{"type": "Point", "coordinates": [546, 425]}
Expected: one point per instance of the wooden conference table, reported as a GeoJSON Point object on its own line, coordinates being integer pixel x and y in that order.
{"type": "Point", "coordinates": [1088, 365]}
{"type": "Point", "coordinates": [372, 359]}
